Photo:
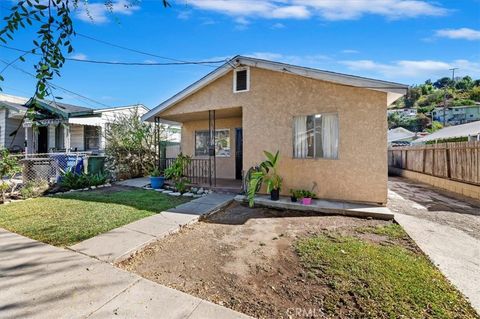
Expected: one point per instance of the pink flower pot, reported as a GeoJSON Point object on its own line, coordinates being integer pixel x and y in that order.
{"type": "Point", "coordinates": [306, 201]}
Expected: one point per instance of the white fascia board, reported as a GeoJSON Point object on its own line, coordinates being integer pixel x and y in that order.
{"type": "Point", "coordinates": [327, 76]}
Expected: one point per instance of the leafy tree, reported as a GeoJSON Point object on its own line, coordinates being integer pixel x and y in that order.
{"type": "Point", "coordinates": [466, 83]}
{"type": "Point", "coordinates": [52, 23]}
{"type": "Point", "coordinates": [475, 94]}
{"type": "Point", "coordinates": [435, 126]}
{"type": "Point", "coordinates": [412, 96]}
{"type": "Point", "coordinates": [443, 83]}
{"type": "Point", "coordinates": [130, 145]}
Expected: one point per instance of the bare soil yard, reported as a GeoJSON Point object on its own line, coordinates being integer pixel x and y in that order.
{"type": "Point", "coordinates": [272, 264]}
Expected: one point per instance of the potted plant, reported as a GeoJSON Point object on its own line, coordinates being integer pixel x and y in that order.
{"type": "Point", "coordinates": [294, 195]}
{"type": "Point", "coordinates": [306, 197]}
{"type": "Point", "coordinates": [156, 179]}
{"type": "Point", "coordinates": [274, 182]}
{"type": "Point", "coordinates": [266, 171]}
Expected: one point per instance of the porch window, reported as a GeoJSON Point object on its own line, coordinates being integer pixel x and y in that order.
{"type": "Point", "coordinates": [222, 143]}
{"type": "Point", "coordinates": [316, 136]}
{"type": "Point", "coordinates": [92, 137]}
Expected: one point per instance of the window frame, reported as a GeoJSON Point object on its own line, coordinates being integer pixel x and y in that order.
{"type": "Point", "coordinates": [235, 71]}
{"type": "Point", "coordinates": [314, 136]}
{"type": "Point", "coordinates": [85, 137]}
{"type": "Point", "coordinates": [206, 131]}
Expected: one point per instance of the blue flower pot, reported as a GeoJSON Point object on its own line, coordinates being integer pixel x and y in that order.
{"type": "Point", "coordinates": [157, 182]}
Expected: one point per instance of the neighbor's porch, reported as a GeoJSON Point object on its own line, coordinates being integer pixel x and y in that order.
{"type": "Point", "coordinates": [63, 135]}
{"type": "Point", "coordinates": [214, 140]}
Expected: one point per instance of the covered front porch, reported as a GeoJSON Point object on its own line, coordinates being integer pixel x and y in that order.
{"type": "Point", "coordinates": [214, 141]}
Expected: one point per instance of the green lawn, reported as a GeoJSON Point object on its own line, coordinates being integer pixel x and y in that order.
{"type": "Point", "coordinates": [63, 220]}
{"type": "Point", "coordinates": [379, 279]}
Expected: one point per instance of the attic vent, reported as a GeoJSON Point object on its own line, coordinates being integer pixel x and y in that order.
{"type": "Point", "coordinates": [241, 80]}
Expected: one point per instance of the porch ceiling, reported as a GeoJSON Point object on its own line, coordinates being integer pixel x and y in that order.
{"type": "Point", "coordinates": [203, 115]}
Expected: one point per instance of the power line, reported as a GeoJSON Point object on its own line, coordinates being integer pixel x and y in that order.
{"type": "Point", "coordinates": [58, 87]}
{"type": "Point", "coordinates": [128, 49]}
{"type": "Point", "coordinates": [125, 63]}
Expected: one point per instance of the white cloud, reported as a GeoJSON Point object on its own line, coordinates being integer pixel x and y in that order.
{"type": "Point", "coordinates": [79, 56]}
{"type": "Point", "coordinates": [97, 12]}
{"type": "Point", "coordinates": [461, 33]}
{"type": "Point", "coordinates": [278, 25]}
{"type": "Point", "coordinates": [414, 69]}
{"type": "Point", "coordinates": [326, 9]}
{"type": "Point", "coordinates": [350, 51]}
{"type": "Point", "coordinates": [354, 9]}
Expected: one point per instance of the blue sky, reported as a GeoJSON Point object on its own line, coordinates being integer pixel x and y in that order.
{"type": "Point", "coordinates": [405, 41]}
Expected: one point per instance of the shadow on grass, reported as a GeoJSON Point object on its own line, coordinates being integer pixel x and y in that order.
{"type": "Point", "coordinates": [141, 199]}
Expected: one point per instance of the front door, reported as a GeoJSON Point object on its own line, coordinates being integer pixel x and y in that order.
{"type": "Point", "coordinates": [42, 139]}
{"type": "Point", "coordinates": [238, 153]}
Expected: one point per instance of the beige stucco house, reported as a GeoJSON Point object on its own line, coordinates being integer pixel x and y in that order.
{"type": "Point", "coordinates": [330, 128]}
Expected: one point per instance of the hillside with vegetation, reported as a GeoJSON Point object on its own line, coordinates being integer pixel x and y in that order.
{"type": "Point", "coordinates": [425, 97]}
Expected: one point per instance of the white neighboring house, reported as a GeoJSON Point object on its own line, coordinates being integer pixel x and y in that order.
{"type": "Point", "coordinates": [400, 135]}
{"type": "Point", "coordinates": [406, 112]}
{"type": "Point", "coordinates": [59, 126]}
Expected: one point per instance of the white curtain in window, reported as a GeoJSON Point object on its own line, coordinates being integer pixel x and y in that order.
{"type": "Point", "coordinates": [300, 143]}
{"type": "Point", "coordinates": [330, 135]}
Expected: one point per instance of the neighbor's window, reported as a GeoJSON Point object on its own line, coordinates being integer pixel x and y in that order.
{"type": "Point", "coordinates": [241, 80]}
{"type": "Point", "coordinates": [222, 143]}
{"type": "Point", "coordinates": [316, 136]}
{"type": "Point", "coordinates": [92, 137]}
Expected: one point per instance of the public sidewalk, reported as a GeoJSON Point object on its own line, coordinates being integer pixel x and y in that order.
{"type": "Point", "coordinates": [120, 243]}
{"type": "Point", "coordinates": [41, 281]}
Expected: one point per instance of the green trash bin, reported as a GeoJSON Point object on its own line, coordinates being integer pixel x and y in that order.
{"type": "Point", "coordinates": [95, 164]}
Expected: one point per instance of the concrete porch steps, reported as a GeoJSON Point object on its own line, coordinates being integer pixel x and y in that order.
{"type": "Point", "coordinates": [327, 207]}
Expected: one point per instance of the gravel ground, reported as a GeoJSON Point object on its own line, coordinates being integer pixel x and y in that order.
{"type": "Point", "coordinates": [427, 202]}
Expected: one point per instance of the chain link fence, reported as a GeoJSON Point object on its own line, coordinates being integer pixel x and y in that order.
{"type": "Point", "coordinates": [49, 167]}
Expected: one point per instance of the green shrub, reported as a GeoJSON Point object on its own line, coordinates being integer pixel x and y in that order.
{"type": "Point", "coordinates": [176, 172]}
{"type": "Point", "coordinates": [72, 180]}
{"type": "Point", "coordinates": [34, 189]}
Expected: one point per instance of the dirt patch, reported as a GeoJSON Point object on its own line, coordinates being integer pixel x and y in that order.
{"type": "Point", "coordinates": [244, 259]}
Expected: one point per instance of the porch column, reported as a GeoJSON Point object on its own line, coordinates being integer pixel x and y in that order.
{"type": "Point", "coordinates": [66, 137]}
{"type": "Point", "coordinates": [51, 137]}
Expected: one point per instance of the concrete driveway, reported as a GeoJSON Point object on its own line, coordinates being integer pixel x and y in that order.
{"type": "Point", "coordinates": [445, 226]}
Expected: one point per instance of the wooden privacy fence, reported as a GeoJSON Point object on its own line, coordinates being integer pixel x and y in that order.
{"type": "Point", "coordinates": [458, 161]}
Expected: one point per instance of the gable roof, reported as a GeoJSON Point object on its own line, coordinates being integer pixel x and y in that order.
{"type": "Point", "coordinates": [463, 130]}
{"type": "Point", "coordinates": [20, 104]}
{"type": "Point", "coordinates": [399, 133]}
{"type": "Point", "coordinates": [394, 90]}
{"type": "Point", "coordinates": [119, 108]}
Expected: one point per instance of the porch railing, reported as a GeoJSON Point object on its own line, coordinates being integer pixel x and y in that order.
{"type": "Point", "coordinates": [199, 171]}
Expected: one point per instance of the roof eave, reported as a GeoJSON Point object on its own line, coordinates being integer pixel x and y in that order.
{"type": "Point", "coordinates": [394, 90]}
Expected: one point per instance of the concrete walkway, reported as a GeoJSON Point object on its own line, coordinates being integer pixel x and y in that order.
{"type": "Point", "coordinates": [41, 281]}
{"type": "Point", "coordinates": [442, 224]}
{"type": "Point", "coordinates": [120, 243]}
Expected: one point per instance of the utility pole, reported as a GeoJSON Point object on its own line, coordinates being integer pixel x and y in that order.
{"type": "Point", "coordinates": [453, 74]}
{"type": "Point", "coordinates": [445, 96]}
